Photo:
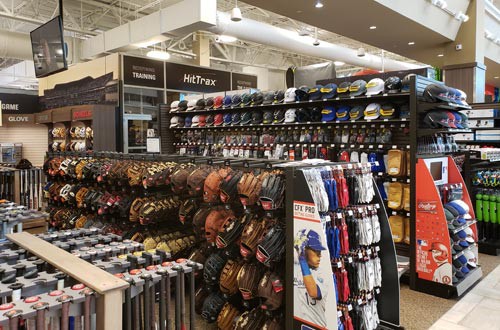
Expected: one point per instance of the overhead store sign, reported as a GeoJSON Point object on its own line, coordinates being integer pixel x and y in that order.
{"type": "Point", "coordinates": [18, 103]}
{"type": "Point", "coordinates": [243, 81]}
{"type": "Point", "coordinates": [143, 72]}
{"type": "Point", "coordinates": [195, 79]}
{"type": "Point", "coordinates": [18, 120]}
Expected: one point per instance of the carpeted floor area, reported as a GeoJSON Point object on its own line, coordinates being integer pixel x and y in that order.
{"type": "Point", "coordinates": [419, 310]}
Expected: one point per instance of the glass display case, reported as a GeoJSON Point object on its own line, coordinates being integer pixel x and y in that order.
{"type": "Point", "coordinates": [140, 113]}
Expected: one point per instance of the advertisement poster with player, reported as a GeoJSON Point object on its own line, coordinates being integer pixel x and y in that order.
{"type": "Point", "coordinates": [314, 296]}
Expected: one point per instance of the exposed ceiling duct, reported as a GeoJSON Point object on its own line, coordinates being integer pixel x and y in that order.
{"type": "Point", "coordinates": [266, 34]}
{"type": "Point", "coordinates": [15, 45]}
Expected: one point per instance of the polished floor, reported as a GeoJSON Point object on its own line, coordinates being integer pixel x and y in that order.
{"type": "Point", "coordinates": [420, 311]}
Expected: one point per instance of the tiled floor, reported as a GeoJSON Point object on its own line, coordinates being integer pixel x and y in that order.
{"type": "Point", "coordinates": [478, 309]}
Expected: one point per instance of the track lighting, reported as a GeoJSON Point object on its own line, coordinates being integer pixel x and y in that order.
{"type": "Point", "coordinates": [236, 13]}
{"type": "Point", "coordinates": [318, 4]}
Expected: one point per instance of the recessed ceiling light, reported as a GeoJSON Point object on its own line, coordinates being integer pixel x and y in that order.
{"type": "Point", "coordinates": [411, 43]}
{"type": "Point", "coordinates": [373, 27]}
{"type": "Point", "coordinates": [158, 54]}
{"type": "Point", "coordinates": [318, 4]}
{"type": "Point", "coordinates": [338, 63]}
{"type": "Point", "coordinates": [440, 55]}
{"type": "Point", "coordinates": [299, 11]}
{"type": "Point", "coordinates": [226, 38]}
{"type": "Point", "coordinates": [496, 77]}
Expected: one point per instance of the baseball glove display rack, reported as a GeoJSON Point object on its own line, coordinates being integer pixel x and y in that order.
{"type": "Point", "coordinates": [387, 295]}
{"type": "Point", "coordinates": [420, 232]}
{"type": "Point", "coordinates": [79, 290]}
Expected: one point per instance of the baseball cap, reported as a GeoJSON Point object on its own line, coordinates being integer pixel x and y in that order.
{"type": "Point", "coordinates": [290, 116]}
{"type": "Point", "coordinates": [256, 117]}
{"type": "Point", "coordinates": [228, 119]}
{"type": "Point", "coordinates": [329, 91]}
{"type": "Point", "coordinates": [195, 121]}
{"type": "Point", "coordinates": [375, 86]}
{"type": "Point", "coordinates": [315, 92]}
{"type": "Point", "coordinates": [314, 241]}
{"type": "Point", "coordinates": [471, 258]}
{"type": "Point", "coordinates": [218, 119]}
{"type": "Point", "coordinates": [209, 120]}
{"type": "Point", "coordinates": [246, 118]}
{"type": "Point", "coordinates": [236, 118]}
{"type": "Point", "coordinates": [182, 106]}
{"type": "Point", "coordinates": [357, 88]}
{"type": "Point", "coordinates": [449, 218]}
{"type": "Point", "coordinates": [228, 100]}
{"type": "Point", "coordinates": [202, 121]}
{"type": "Point", "coordinates": [209, 103]}
{"type": "Point", "coordinates": [236, 100]}
{"type": "Point", "coordinates": [328, 113]}
{"type": "Point", "coordinates": [174, 106]}
{"type": "Point", "coordinates": [268, 98]}
{"type": "Point", "coordinates": [469, 235]}
{"type": "Point", "coordinates": [200, 104]}
{"type": "Point", "coordinates": [404, 111]}
{"type": "Point", "coordinates": [290, 95]}
{"type": "Point", "coordinates": [460, 206]}
{"type": "Point", "coordinates": [174, 121]}
{"type": "Point", "coordinates": [343, 89]}
{"type": "Point", "coordinates": [372, 111]}
{"type": "Point", "coordinates": [246, 99]}
{"type": "Point", "coordinates": [356, 112]}
{"type": "Point", "coordinates": [218, 101]}
{"type": "Point", "coordinates": [267, 117]}
{"type": "Point", "coordinates": [188, 121]}
{"type": "Point", "coordinates": [387, 111]}
{"type": "Point", "coordinates": [302, 93]}
{"type": "Point", "coordinates": [191, 105]}
{"type": "Point", "coordinates": [451, 119]}
{"type": "Point", "coordinates": [343, 113]}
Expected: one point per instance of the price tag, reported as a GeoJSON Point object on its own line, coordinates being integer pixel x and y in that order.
{"type": "Point", "coordinates": [394, 147]}
{"type": "Point", "coordinates": [349, 166]}
{"type": "Point", "coordinates": [377, 206]}
{"type": "Point", "coordinates": [308, 122]}
{"type": "Point", "coordinates": [377, 163]}
{"type": "Point", "coordinates": [360, 210]}
{"type": "Point", "coordinates": [385, 94]}
{"type": "Point", "coordinates": [369, 252]}
{"type": "Point", "coordinates": [339, 264]}
{"type": "Point", "coordinates": [382, 126]}
{"type": "Point", "coordinates": [297, 101]}
{"type": "Point", "coordinates": [407, 180]}
{"type": "Point", "coordinates": [403, 125]}
{"type": "Point", "coordinates": [394, 213]}
{"type": "Point", "coordinates": [407, 146]}
{"type": "Point", "coordinates": [394, 180]}
{"type": "Point", "coordinates": [352, 97]}
{"type": "Point", "coordinates": [407, 214]}
{"type": "Point", "coordinates": [370, 146]}
{"type": "Point", "coordinates": [310, 101]}
{"type": "Point", "coordinates": [362, 146]}
{"type": "Point", "coordinates": [339, 313]}
{"type": "Point", "coordinates": [350, 212]}
{"type": "Point", "coordinates": [369, 296]}
{"type": "Point", "coordinates": [337, 98]}
{"type": "Point", "coordinates": [349, 259]}
{"type": "Point", "coordinates": [342, 145]}
{"type": "Point", "coordinates": [339, 215]}
{"type": "Point", "coordinates": [385, 119]}
{"type": "Point", "coordinates": [360, 255]}
{"type": "Point", "coordinates": [380, 173]}
{"type": "Point", "coordinates": [377, 290]}
{"type": "Point", "coordinates": [368, 96]}
{"type": "Point", "coordinates": [403, 119]}
{"type": "Point", "coordinates": [360, 302]}
{"type": "Point", "coordinates": [363, 126]}
{"type": "Point", "coordinates": [349, 307]}
{"type": "Point", "coordinates": [377, 248]}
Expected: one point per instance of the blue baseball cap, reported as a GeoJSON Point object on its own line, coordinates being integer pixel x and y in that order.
{"type": "Point", "coordinates": [188, 121]}
{"type": "Point", "coordinates": [329, 91]}
{"type": "Point", "coordinates": [458, 119]}
{"type": "Point", "coordinates": [343, 113]}
{"type": "Point", "coordinates": [328, 113]}
{"type": "Point", "coordinates": [458, 206]}
{"type": "Point", "coordinates": [314, 241]}
{"type": "Point", "coordinates": [315, 92]}
{"type": "Point", "coordinates": [228, 100]}
{"type": "Point", "coordinates": [228, 119]}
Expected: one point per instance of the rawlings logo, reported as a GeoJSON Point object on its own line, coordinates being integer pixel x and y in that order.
{"type": "Point", "coordinates": [427, 207]}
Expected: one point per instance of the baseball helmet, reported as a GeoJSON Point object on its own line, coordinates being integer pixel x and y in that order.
{"type": "Point", "coordinates": [393, 84]}
{"type": "Point", "coordinates": [279, 96]}
{"type": "Point", "coordinates": [209, 103]}
{"type": "Point", "coordinates": [257, 98]}
{"type": "Point", "coordinates": [256, 117]}
{"type": "Point", "coordinates": [227, 101]}
{"type": "Point", "coordinates": [200, 104]}
{"type": "Point", "coordinates": [218, 102]}
{"type": "Point", "coordinates": [268, 98]}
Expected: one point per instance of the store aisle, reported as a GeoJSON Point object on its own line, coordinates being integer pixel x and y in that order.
{"type": "Point", "coordinates": [478, 309]}
{"type": "Point", "coordinates": [420, 311]}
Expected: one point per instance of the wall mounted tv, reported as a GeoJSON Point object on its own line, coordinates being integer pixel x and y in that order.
{"type": "Point", "coordinates": [49, 51]}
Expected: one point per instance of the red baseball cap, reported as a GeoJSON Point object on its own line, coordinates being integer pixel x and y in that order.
{"type": "Point", "coordinates": [218, 119]}
{"type": "Point", "coordinates": [202, 121]}
{"type": "Point", "coordinates": [451, 119]}
{"type": "Point", "coordinates": [218, 101]}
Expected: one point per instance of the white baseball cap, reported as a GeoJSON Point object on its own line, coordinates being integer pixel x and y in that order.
{"type": "Point", "coordinates": [174, 106]}
{"type": "Point", "coordinates": [372, 111]}
{"type": "Point", "coordinates": [174, 121]}
{"type": "Point", "coordinates": [290, 94]}
{"type": "Point", "coordinates": [375, 86]}
{"type": "Point", "coordinates": [290, 115]}
{"type": "Point", "coordinates": [195, 121]}
{"type": "Point", "coordinates": [191, 105]}
{"type": "Point", "coordinates": [471, 258]}
{"type": "Point", "coordinates": [470, 235]}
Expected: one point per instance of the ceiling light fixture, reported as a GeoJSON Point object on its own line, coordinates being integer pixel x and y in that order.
{"type": "Point", "coordinates": [225, 38]}
{"type": "Point", "coordinates": [236, 13]}
{"type": "Point", "coordinates": [461, 17]}
{"type": "Point", "coordinates": [411, 43]}
{"type": "Point", "coordinates": [373, 27]}
{"type": "Point", "coordinates": [158, 54]}
{"type": "Point", "coordinates": [316, 41]}
{"type": "Point", "coordinates": [318, 4]}
{"type": "Point", "coordinates": [496, 77]}
{"type": "Point", "coordinates": [361, 52]}
{"type": "Point", "coordinates": [338, 63]}
{"type": "Point", "coordinates": [440, 55]}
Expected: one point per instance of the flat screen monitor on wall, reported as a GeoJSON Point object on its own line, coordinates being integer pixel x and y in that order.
{"type": "Point", "coordinates": [47, 44]}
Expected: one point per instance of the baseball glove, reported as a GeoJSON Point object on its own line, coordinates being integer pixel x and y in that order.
{"type": "Point", "coordinates": [199, 220]}
{"type": "Point", "coordinates": [212, 306]}
{"type": "Point", "coordinates": [229, 187]}
{"type": "Point", "coordinates": [271, 289]}
{"type": "Point", "coordinates": [272, 246]}
{"type": "Point", "coordinates": [248, 280]}
{"type": "Point", "coordinates": [253, 319]}
{"type": "Point", "coordinates": [214, 221]}
{"type": "Point", "coordinates": [231, 229]}
{"type": "Point", "coordinates": [211, 188]}
{"type": "Point", "coordinates": [196, 180]}
{"type": "Point", "coordinates": [273, 191]}
{"type": "Point", "coordinates": [227, 316]}
{"type": "Point", "coordinates": [179, 181]}
{"type": "Point", "coordinates": [213, 268]}
{"type": "Point", "coordinates": [252, 235]}
{"type": "Point", "coordinates": [273, 324]}
{"type": "Point", "coordinates": [228, 278]}
{"type": "Point", "coordinates": [187, 210]}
